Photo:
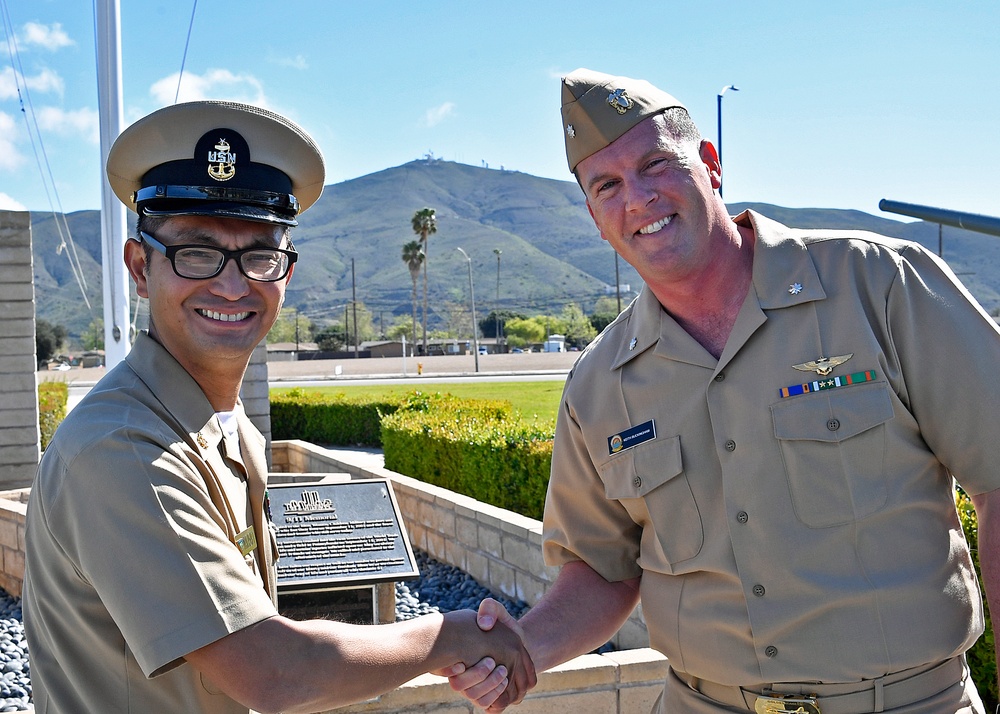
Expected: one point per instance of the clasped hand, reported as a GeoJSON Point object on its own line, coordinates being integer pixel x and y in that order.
{"type": "Point", "coordinates": [490, 684]}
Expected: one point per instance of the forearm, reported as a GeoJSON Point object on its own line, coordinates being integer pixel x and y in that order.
{"type": "Point", "coordinates": [580, 613]}
{"type": "Point", "coordinates": [288, 666]}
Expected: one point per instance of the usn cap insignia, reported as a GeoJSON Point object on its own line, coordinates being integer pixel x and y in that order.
{"type": "Point", "coordinates": [221, 161]}
{"type": "Point", "coordinates": [620, 100]}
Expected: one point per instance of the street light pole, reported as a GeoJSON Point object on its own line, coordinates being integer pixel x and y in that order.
{"type": "Point", "coordinates": [719, 119]}
{"type": "Point", "coordinates": [472, 296]}
{"type": "Point", "coordinates": [496, 313]}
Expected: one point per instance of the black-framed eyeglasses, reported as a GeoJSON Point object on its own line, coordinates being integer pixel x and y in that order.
{"type": "Point", "coordinates": [201, 262]}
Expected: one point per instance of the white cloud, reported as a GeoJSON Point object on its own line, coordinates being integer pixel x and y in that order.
{"type": "Point", "coordinates": [296, 62]}
{"type": "Point", "coordinates": [9, 204]}
{"type": "Point", "coordinates": [45, 81]}
{"type": "Point", "coordinates": [79, 122]}
{"type": "Point", "coordinates": [50, 37]}
{"type": "Point", "coordinates": [435, 115]}
{"type": "Point", "coordinates": [10, 157]}
{"type": "Point", "coordinates": [214, 84]}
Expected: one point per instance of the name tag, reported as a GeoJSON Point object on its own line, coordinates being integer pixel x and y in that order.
{"type": "Point", "coordinates": [631, 437]}
{"type": "Point", "coordinates": [247, 541]}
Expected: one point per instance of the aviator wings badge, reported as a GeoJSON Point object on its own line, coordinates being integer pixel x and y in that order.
{"type": "Point", "coordinates": [824, 365]}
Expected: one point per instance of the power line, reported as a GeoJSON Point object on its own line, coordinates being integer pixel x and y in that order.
{"type": "Point", "coordinates": [187, 42]}
{"type": "Point", "coordinates": [37, 145]}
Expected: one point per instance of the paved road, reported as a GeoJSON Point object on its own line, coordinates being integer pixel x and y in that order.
{"type": "Point", "coordinates": [528, 366]}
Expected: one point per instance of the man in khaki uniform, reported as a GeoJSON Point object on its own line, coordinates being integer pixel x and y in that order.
{"type": "Point", "coordinates": [150, 582]}
{"type": "Point", "coordinates": [761, 447]}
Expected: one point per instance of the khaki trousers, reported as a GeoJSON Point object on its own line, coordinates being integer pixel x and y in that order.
{"type": "Point", "coordinates": [960, 697]}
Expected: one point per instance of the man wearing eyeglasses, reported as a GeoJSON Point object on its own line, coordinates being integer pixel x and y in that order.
{"type": "Point", "coordinates": [149, 578]}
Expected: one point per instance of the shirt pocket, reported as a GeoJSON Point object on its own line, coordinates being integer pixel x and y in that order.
{"type": "Point", "coordinates": [649, 481]}
{"type": "Point", "coordinates": [833, 445]}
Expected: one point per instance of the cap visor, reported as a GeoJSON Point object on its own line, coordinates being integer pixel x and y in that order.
{"type": "Point", "coordinates": [241, 211]}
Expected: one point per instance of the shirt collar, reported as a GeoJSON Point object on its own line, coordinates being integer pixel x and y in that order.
{"type": "Point", "coordinates": [783, 276]}
{"type": "Point", "coordinates": [178, 392]}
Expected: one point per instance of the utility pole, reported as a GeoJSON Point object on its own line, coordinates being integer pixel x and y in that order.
{"type": "Point", "coordinates": [472, 296]}
{"type": "Point", "coordinates": [354, 303]}
{"type": "Point", "coordinates": [719, 116]}
{"type": "Point", "coordinates": [496, 309]}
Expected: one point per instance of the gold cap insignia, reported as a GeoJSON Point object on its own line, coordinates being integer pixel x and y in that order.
{"type": "Point", "coordinates": [620, 100]}
{"type": "Point", "coordinates": [824, 365]}
{"type": "Point", "coordinates": [221, 162]}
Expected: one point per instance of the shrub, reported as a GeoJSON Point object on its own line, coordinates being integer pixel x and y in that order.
{"type": "Point", "coordinates": [982, 656]}
{"type": "Point", "coordinates": [474, 447]}
{"type": "Point", "coordinates": [52, 398]}
{"type": "Point", "coordinates": [329, 419]}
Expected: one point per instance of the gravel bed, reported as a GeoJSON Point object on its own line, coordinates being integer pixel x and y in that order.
{"type": "Point", "coordinates": [440, 588]}
{"type": "Point", "coordinates": [443, 588]}
{"type": "Point", "coordinates": [15, 674]}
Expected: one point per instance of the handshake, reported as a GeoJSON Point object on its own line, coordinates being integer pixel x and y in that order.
{"type": "Point", "coordinates": [501, 679]}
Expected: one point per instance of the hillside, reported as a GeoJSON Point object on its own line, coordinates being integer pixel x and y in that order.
{"type": "Point", "coordinates": [551, 252]}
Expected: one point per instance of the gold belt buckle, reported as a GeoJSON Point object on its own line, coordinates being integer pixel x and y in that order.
{"type": "Point", "coordinates": [785, 704]}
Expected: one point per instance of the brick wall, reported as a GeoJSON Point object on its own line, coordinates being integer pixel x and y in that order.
{"type": "Point", "coordinates": [13, 505]}
{"type": "Point", "coordinates": [19, 437]}
{"type": "Point", "coordinates": [255, 396]}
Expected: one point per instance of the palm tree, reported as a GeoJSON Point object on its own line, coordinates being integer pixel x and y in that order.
{"type": "Point", "coordinates": [413, 256]}
{"type": "Point", "coordinates": [424, 225]}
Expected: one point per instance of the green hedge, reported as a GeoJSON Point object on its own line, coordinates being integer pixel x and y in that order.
{"type": "Point", "coordinates": [330, 419]}
{"type": "Point", "coordinates": [52, 398]}
{"type": "Point", "coordinates": [477, 448]}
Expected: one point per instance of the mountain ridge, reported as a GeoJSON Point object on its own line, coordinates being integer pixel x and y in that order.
{"type": "Point", "coordinates": [550, 251]}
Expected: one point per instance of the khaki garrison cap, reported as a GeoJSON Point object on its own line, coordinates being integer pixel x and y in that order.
{"type": "Point", "coordinates": [216, 158]}
{"type": "Point", "coordinates": [598, 108]}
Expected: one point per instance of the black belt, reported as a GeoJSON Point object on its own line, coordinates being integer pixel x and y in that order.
{"type": "Point", "coordinates": [874, 695]}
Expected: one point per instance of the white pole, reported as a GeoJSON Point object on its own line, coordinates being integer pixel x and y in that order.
{"type": "Point", "coordinates": [404, 355]}
{"type": "Point", "coordinates": [117, 332]}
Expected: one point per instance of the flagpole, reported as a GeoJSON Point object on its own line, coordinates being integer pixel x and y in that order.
{"type": "Point", "coordinates": [117, 331]}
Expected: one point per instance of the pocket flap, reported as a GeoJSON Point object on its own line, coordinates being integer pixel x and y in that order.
{"type": "Point", "coordinates": [637, 471]}
{"type": "Point", "coordinates": [833, 415]}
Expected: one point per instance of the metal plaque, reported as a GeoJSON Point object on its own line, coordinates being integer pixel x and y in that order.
{"type": "Point", "coordinates": [336, 534]}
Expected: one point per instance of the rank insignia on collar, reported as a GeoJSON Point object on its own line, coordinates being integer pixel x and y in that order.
{"type": "Point", "coordinates": [202, 441]}
{"type": "Point", "coordinates": [632, 344]}
{"type": "Point", "coordinates": [795, 288]}
{"type": "Point", "coordinates": [620, 100]}
{"type": "Point", "coordinates": [824, 365]}
{"type": "Point", "coordinates": [570, 131]}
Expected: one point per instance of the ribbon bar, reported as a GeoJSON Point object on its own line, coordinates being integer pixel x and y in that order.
{"type": "Point", "coordinates": [827, 383]}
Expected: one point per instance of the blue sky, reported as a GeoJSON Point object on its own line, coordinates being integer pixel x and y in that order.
{"type": "Point", "coordinates": [840, 104]}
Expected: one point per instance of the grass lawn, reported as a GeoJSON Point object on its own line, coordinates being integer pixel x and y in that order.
{"type": "Point", "coordinates": [539, 399]}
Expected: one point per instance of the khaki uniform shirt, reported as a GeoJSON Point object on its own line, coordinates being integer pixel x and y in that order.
{"type": "Point", "coordinates": [131, 558]}
{"type": "Point", "coordinates": [804, 538]}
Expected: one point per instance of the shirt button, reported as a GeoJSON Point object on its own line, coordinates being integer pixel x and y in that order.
{"type": "Point", "coordinates": [637, 482]}
{"type": "Point", "coordinates": [742, 517]}
{"type": "Point", "coordinates": [833, 424]}
{"type": "Point", "coordinates": [771, 651]}
{"type": "Point", "coordinates": [758, 590]}
{"type": "Point", "coordinates": [730, 445]}
{"type": "Point", "coordinates": [720, 377]}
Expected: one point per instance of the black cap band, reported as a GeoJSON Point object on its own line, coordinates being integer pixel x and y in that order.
{"type": "Point", "coordinates": [220, 179]}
